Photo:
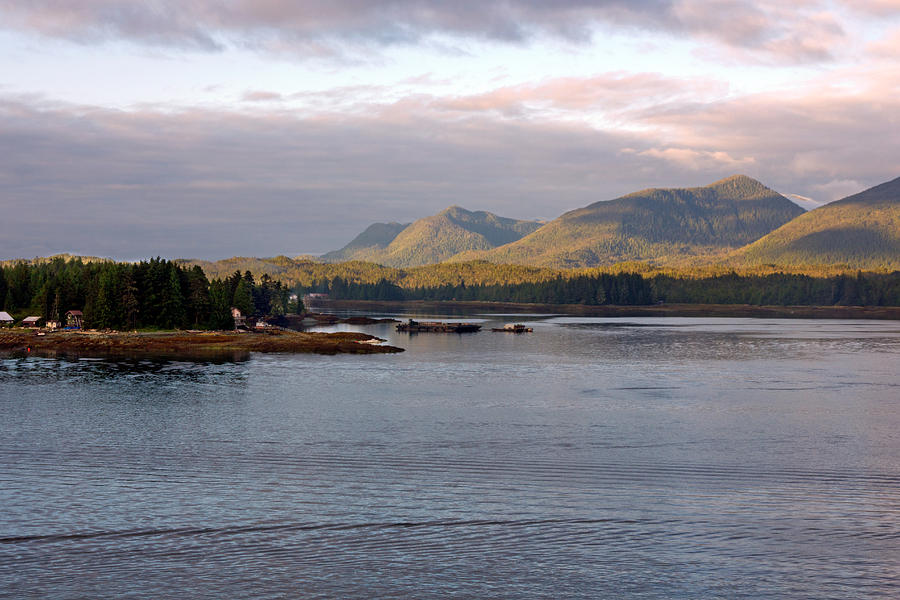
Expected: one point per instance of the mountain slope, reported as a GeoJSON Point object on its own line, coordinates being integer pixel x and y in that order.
{"type": "Point", "coordinates": [662, 226]}
{"type": "Point", "coordinates": [437, 238]}
{"type": "Point", "coordinates": [374, 239]}
{"type": "Point", "coordinates": [861, 231]}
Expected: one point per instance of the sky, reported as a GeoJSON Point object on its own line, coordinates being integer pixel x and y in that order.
{"type": "Point", "coordinates": [210, 129]}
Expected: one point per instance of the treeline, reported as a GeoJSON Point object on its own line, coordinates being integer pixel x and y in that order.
{"type": "Point", "coordinates": [781, 289]}
{"type": "Point", "coordinates": [863, 289]}
{"type": "Point", "coordinates": [622, 288]}
{"type": "Point", "coordinates": [167, 294]}
{"type": "Point", "coordinates": [310, 274]}
{"type": "Point", "coordinates": [150, 294]}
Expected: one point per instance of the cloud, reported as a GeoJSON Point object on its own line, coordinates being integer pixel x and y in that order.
{"type": "Point", "coordinates": [838, 188]}
{"type": "Point", "coordinates": [803, 202]}
{"type": "Point", "coordinates": [608, 92]}
{"type": "Point", "coordinates": [881, 8]}
{"type": "Point", "coordinates": [797, 32]}
{"type": "Point", "coordinates": [211, 183]}
{"type": "Point", "coordinates": [887, 47]}
{"type": "Point", "coordinates": [697, 160]}
{"type": "Point", "coordinates": [822, 132]}
{"type": "Point", "coordinates": [261, 96]}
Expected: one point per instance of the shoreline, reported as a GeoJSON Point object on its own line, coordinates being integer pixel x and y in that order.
{"type": "Point", "coordinates": [188, 343]}
{"type": "Point", "coordinates": [655, 310]}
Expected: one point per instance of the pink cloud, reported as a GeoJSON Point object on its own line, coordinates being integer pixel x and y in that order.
{"type": "Point", "coordinates": [887, 47]}
{"type": "Point", "coordinates": [882, 8]}
{"type": "Point", "coordinates": [796, 32]}
{"type": "Point", "coordinates": [697, 160]}
{"type": "Point", "coordinates": [261, 96]}
{"type": "Point", "coordinates": [610, 92]}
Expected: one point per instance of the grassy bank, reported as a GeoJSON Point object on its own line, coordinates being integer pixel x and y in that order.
{"type": "Point", "coordinates": [188, 343]}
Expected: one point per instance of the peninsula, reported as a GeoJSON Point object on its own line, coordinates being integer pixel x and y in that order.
{"type": "Point", "coordinates": [189, 343]}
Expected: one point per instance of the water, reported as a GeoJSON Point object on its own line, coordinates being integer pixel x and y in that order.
{"type": "Point", "coordinates": [633, 458]}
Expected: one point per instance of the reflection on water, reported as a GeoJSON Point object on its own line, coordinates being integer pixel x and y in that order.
{"type": "Point", "coordinates": [652, 458]}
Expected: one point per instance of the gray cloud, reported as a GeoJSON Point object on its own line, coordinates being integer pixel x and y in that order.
{"type": "Point", "coordinates": [792, 32]}
{"type": "Point", "coordinates": [207, 184]}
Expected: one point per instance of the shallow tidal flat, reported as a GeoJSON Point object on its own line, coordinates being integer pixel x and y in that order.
{"type": "Point", "coordinates": [189, 343]}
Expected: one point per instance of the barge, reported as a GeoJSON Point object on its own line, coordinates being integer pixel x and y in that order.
{"type": "Point", "coordinates": [437, 327]}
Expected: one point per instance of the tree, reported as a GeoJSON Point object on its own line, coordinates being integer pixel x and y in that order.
{"type": "Point", "coordinates": [172, 314]}
{"type": "Point", "coordinates": [106, 301]}
{"type": "Point", "coordinates": [243, 298]}
{"type": "Point", "coordinates": [129, 300]}
{"type": "Point", "coordinates": [220, 305]}
{"type": "Point", "coordinates": [198, 296]}
{"type": "Point", "coordinates": [3, 288]}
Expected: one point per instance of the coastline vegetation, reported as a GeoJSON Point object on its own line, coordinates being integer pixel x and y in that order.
{"type": "Point", "coordinates": [630, 289]}
{"type": "Point", "coordinates": [153, 294]}
{"type": "Point", "coordinates": [164, 294]}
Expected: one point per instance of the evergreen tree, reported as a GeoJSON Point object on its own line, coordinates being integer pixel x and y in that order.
{"type": "Point", "coordinates": [130, 306]}
{"type": "Point", "coordinates": [3, 289]}
{"type": "Point", "coordinates": [220, 305]}
{"type": "Point", "coordinates": [198, 301]}
{"type": "Point", "coordinates": [243, 298]}
{"type": "Point", "coordinates": [106, 302]}
{"type": "Point", "coordinates": [172, 313]}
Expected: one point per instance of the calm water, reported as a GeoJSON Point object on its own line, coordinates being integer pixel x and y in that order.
{"type": "Point", "coordinates": [633, 458]}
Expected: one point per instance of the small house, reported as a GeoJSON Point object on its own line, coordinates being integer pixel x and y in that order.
{"type": "Point", "coordinates": [30, 321]}
{"type": "Point", "coordinates": [239, 319]}
{"type": "Point", "coordinates": [5, 318]}
{"type": "Point", "coordinates": [75, 319]}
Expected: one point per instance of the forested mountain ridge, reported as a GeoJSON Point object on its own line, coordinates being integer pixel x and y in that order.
{"type": "Point", "coordinates": [658, 225]}
{"type": "Point", "coordinates": [433, 239]}
{"type": "Point", "coordinates": [861, 231]}
{"type": "Point", "coordinates": [373, 239]}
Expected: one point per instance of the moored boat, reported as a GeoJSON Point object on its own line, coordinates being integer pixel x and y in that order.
{"type": "Point", "coordinates": [513, 328]}
{"type": "Point", "coordinates": [412, 326]}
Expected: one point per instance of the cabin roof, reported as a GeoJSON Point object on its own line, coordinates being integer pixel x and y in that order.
{"type": "Point", "coordinates": [31, 319]}
{"type": "Point", "coordinates": [5, 316]}
{"type": "Point", "coordinates": [75, 313]}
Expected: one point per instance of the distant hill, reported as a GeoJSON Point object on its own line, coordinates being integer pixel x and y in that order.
{"type": "Point", "coordinates": [860, 231]}
{"type": "Point", "coordinates": [661, 226]}
{"type": "Point", "coordinates": [433, 239]}
{"type": "Point", "coordinates": [373, 240]}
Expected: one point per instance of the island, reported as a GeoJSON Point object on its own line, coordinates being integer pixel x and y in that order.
{"type": "Point", "coordinates": [176, 343]}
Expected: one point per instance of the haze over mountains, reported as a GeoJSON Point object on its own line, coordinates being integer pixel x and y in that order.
{"type": "Point", "coordinates": [730, 224]}
{"type": "Point", "coordinates": [663, 226]}
{"type": "Point", "coordinates": [432, 239]}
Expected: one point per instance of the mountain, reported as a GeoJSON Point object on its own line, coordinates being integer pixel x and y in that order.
{"type": "Point", "coordinates": [860, 231]}
{"type": "Point", "coordinates": [661, 226]}
{"type": "Point", "coordinates": [434, 239]}
{"type": "Point", "coordinates": [803, 202]}
{"type": "Point", "coordinates": [375, 238]}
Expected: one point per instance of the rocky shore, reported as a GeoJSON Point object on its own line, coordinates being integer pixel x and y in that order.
{"type": "Point", "coordinates": [89, 343]}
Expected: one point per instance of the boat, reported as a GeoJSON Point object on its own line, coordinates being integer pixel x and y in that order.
{"type": "Point", "coordinates": [412, 326]}
{"type": "Point", "coordinates": [513, 328]}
